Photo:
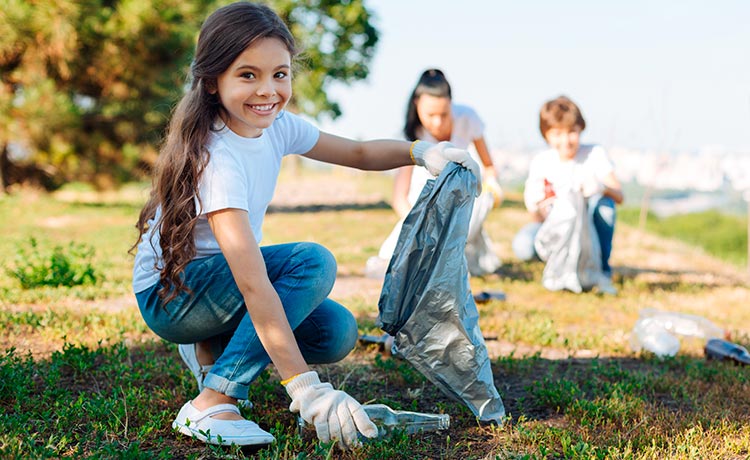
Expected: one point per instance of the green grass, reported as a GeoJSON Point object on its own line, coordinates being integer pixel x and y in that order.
{"type": "Point", "coordinates": [722, 235]}
{"type": "Point", "coordinates": [105, 227]}
{"type": "Point", "coordinates": [118, 402]}
{"type": "Point", "coordinates": [81, 376]}
{"type": "Point", "coordinates": [63, 266]}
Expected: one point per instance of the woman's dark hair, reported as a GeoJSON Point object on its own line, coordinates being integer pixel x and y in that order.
{"type": "Point", "coordinates": [433, 83]}
{"type": "Point", "coordinates": [225, 34]}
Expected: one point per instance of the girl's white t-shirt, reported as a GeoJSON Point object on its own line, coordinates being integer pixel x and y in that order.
{"type": "Point", "coordinates": [467, 127]}
{"type": "Point", "coordinates": [590, 163]}
{"type": "Point", "coordinates": [241, 173]}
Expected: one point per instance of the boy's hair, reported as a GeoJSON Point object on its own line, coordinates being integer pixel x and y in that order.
{"type": "Point", "coordinates": [225, 34]}
{"type": "Point", "coordinates": [560, 112]}
{"type": "Point", "coordinates": [433, 83]}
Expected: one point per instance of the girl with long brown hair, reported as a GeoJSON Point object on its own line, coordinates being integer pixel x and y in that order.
{"type": "Point", "coordinates": [202, 279]}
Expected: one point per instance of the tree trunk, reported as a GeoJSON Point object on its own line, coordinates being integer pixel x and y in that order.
{"type": "Point", "coordinates": [4, 165]}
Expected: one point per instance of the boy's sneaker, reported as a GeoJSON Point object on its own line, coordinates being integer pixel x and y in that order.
{"type": "Point", "coordinates": [187, 353]}
{"type": "Point", "coordinates": [605, 286]}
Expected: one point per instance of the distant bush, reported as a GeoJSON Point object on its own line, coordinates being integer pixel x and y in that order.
{"type": "Point", "coordinates": [70, 266]}
{"type": "Point", "coordinates": [722, 235]}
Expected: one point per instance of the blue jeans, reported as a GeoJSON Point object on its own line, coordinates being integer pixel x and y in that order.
{"type": "Point", "coordinates": [302, 274]}
{"type": "Point", "coordinates": [604, 222]}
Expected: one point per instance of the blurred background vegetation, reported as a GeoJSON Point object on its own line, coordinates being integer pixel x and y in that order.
{"type": "Point", "coordinates": [87, 86]}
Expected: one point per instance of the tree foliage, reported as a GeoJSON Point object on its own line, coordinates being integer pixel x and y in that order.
{"type": "Point", "coordinates": [87, 86]}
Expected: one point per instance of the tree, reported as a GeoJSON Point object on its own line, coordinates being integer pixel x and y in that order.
{"type": "Point", "coordinates": [338, 42]}
{"type": "Point", "coordinates": [27, 51]}
{"type": "Point", "coordinates": [86, 87]}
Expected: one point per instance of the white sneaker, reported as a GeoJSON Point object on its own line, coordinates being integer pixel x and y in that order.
{"type": "Point", "coordinates": [605, 286]}
{"type": "Point", "coordinates": [200, 425]}
{"type": "Point", "coordinates": [187, 353]}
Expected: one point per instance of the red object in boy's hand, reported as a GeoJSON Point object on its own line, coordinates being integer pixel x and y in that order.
{"type": "Point", "coordinates": [549, 192]}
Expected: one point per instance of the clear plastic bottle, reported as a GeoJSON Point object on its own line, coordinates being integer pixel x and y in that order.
{"type": "Point", "coordinates": [388, 420]}
{"type": "Point", "coordinates": [684, 324]}
{"type": "Point", "coordinates": [651, 335]}
{"type": "Point", "coordinates": [384, 342]}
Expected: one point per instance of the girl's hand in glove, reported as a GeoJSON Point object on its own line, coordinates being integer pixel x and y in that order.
{"type": "Point", "coordinates": [435, 157]}
{"type": "Point", "coordinates": [334, 414]}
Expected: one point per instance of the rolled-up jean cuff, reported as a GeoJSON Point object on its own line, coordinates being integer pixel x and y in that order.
{"type": "Point", "coordinates": [222, 385]}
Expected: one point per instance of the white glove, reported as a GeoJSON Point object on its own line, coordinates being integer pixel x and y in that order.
{"type": "Point", "coordinates": [333, 413]}
{"type": "Point", "coordinates": [435, 157]}
{"type": "Point", "coordinates": [490, 185]}
{"type": "Point", "coordinates": [590, 187]}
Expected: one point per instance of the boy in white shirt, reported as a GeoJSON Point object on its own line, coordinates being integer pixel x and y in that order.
{"type": "Point", "coordinates": [569, 165]}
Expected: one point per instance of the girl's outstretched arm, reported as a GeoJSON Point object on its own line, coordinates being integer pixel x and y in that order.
{"type": "Point", "coordinates": [370, 155]}
{"type": "Point", "coordinates": [235, 237]}
{"type": "Point", "coordinates": [380, 155]}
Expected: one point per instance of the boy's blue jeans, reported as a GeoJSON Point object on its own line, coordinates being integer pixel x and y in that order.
{"type": "Point", "coordinates": [604, 222]}
{"type": "Point", "coordinates": [302, 274]}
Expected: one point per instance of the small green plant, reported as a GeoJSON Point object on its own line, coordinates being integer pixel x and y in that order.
{"type": "Point", "coordinates": [64, 266]}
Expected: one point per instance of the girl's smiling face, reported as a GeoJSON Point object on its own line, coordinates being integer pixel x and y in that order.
{"type": "Point", "coordinates": [256, 87]}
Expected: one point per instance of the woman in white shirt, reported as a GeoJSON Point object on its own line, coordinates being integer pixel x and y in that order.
{"type": "Point", "coordinates": [432, 116]}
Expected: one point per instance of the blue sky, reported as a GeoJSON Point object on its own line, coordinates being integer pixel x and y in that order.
{"type": "Point", "coordinates": [647, 74]}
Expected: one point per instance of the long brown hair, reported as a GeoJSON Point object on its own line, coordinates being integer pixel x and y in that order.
{"type": "Point", "coordinates": [225, 34]}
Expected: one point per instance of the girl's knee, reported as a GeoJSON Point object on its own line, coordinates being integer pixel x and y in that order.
{"type": "Point", "coordinates": [347, 335]}
{"type": "Point", "coordinates": [328, 335]}
{"type": "Point", "coordinates": [320, 260]}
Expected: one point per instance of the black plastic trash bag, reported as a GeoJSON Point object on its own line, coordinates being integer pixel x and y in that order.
{"type": "Point", "coordinates": [426, 302]}
{"type": "Point", "coordinates": [567, 242]}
